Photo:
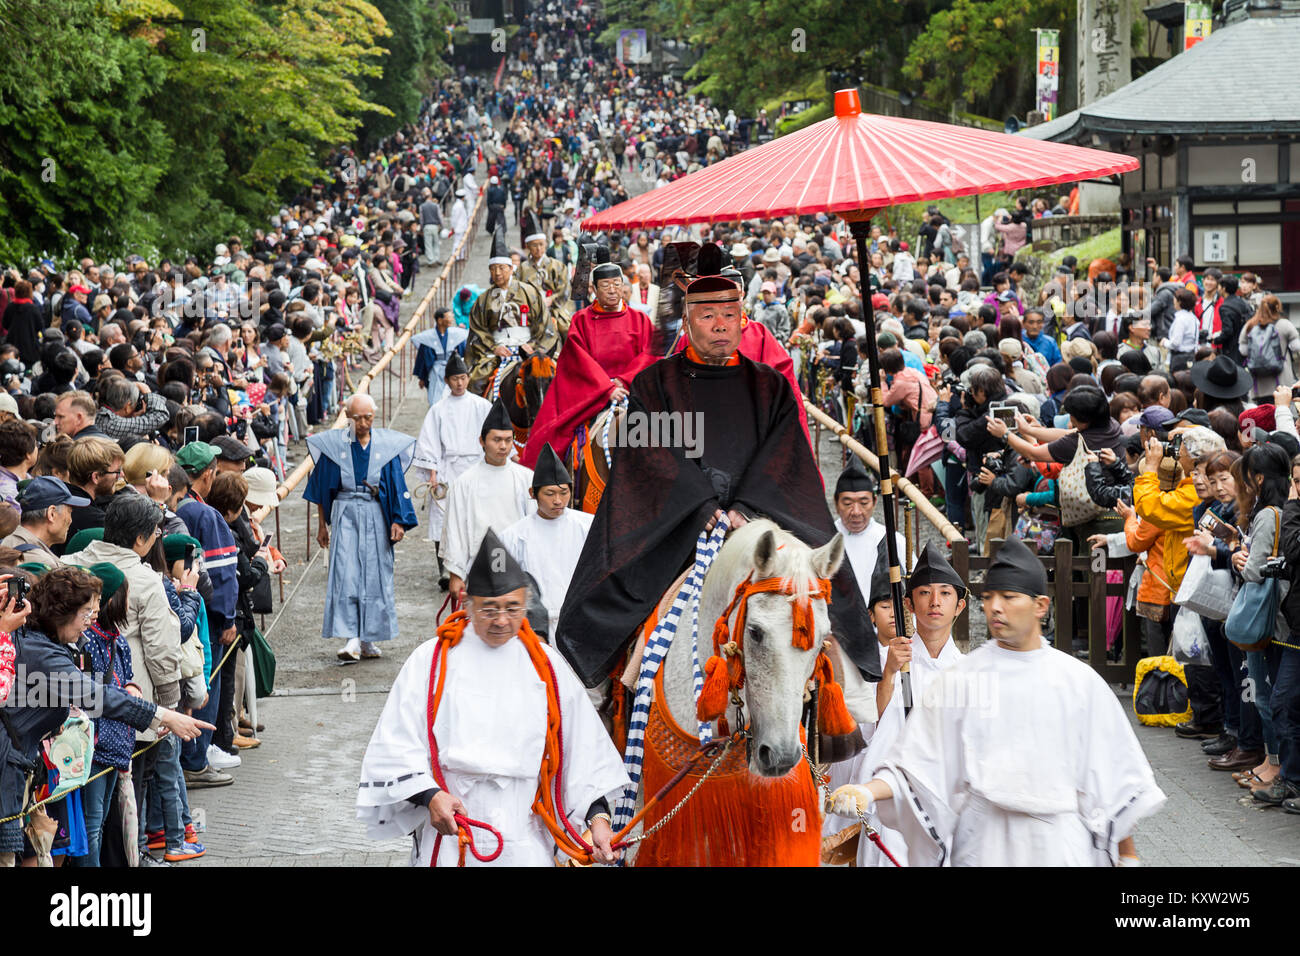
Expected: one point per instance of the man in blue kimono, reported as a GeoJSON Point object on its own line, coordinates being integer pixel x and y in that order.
{"type": "Point", "coordinates": [433, 346]}
{"type": "Point", "coordinates": [357, 481]}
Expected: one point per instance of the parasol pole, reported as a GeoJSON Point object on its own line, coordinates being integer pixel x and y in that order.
{"type": "Point", "coordinates": [860, 228]}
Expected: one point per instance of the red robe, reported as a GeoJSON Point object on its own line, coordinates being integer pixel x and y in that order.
{"type": "Point", "coordinates": [600, 346]}
{"type": "Point", "coordinates": [758, 344]}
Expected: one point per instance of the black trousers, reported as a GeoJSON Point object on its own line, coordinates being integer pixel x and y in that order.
{"type": "Point", "coordinates": [1229, 681]}
{"type": "Point", "coordinates": [496, 214]}
{"type": "Point", "coordinates": [1205, 695]}
{"type": "Point", "coordinates": [224, 735]}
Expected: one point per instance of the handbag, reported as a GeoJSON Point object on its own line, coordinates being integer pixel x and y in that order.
{"type": "Point", "coordinates": [192, 657]}
{"type": "Point", "coordinates": [260, 594]}
{"type": "Point", "coordinates": [999, 524]}
{"type": "Point", "coordinates": [1206, 590]}
{"type": "Point", "coordinates": [1076, 504]}
{"type": "Point", "coordinates": [1251, 621]}
{"type": "Point", "coordinates": [263, 663]}
{"type": "Point", "coordinates": [1039, 531]}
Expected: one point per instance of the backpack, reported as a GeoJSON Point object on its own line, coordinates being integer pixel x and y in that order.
{"type": "Point", "coordinates": [1160, 692]}
{"type": "Point", "coordinates": [955, 240]}
{"type": "Point", "coordinates": [1264, 350]}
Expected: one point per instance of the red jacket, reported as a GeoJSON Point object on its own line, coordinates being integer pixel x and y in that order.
{"type": "Point", "coordinates": [1200, 308]}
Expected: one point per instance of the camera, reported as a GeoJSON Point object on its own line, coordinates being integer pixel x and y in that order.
{"type": "Point", "coordinates": [18, 588]}
{"type": "Point", "coordinates": [1275, 568]}
{"type": "Point", "coordinates": [1170, 471]}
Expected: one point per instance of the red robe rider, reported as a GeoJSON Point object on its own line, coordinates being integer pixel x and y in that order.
{"type": "Point", "coordinates": [608, 345]}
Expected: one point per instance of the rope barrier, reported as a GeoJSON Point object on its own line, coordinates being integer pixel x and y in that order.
{"type": "Point", "coordinates": [923, 504]}
{"type": "Point", "coordinates": [285, 488]}
{"type": "Point", "coordinates": [146, 748]}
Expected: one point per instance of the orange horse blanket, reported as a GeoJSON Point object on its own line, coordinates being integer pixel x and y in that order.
{"type": "Point", "coordinates": [736, 818]}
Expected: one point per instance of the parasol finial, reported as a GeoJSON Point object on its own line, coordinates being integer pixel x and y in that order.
{"type": "Point", "coordinates": [847, 103]}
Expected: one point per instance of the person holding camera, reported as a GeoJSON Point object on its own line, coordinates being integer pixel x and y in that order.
{"type": "Point", "coordinates": [972, 426]}
{"type": "Point", "coordinates": [1262, 493]}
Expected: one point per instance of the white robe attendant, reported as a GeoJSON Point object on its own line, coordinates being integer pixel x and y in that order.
{"type": "Point", "coordinates": [485, 496]}
{"type": "Point", "coordinates": [548, 549]}
{"type": "Point", "coordinates": [889, 727]}
{"type": "Point", "coordinates": [448, 447]}
{"type": "Point", "coordinates": [1017, 758]}
{"type": "Point", "coordinates": [491, 732]}
{"type": "Point", "coordinates": [862, 550]}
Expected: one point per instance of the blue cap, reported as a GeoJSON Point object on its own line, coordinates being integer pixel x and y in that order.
{"type": "Point", "coordinates": [40, 493]}
{"type": "Point", "coordinates": [1155, 416]}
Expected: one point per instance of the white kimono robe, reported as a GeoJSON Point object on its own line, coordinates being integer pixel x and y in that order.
{"type": "Point", "coordinates": [862, 550]}
{"type": "Point", "coordinates": [889, 727]}
{"type": "Point", "coordinates": [485, 496]}
{"type": "Point", "coordinates": [448, 447]}
{"type": "Point", "coordinates": [491, 733]}
{"type": "Point", "coordinates": [1017, 758]}
{"type": "Point", "coordinates": [548, 549]}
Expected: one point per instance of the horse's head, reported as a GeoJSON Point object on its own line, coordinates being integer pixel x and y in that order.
{"type": "Point", "coordinates": [777, 669]}
{"type": "Point", "coordinates": [537, 374]}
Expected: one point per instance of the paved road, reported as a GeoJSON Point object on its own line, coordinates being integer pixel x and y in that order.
{"type": "Point", "coordinates": [292, 800]}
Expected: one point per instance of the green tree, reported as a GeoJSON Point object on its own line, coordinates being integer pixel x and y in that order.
{"type": "Point", "coordinates": [413, 59]}
{"type": "Point", "coordinates": [82, 151]}
{"type": "Point", "coordinates": [982, 52]}
{"type": "Point", "coordinates": [256, 92]}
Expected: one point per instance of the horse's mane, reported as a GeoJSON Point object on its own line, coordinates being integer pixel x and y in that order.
{"type": "Point", "coordinates": [794, 557]}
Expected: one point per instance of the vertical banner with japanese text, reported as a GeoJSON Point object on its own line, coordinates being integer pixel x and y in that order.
{"type": "Point", "coordinates": [1049, 71]}
{"type": "Point", "coordinates": [1197, 23]}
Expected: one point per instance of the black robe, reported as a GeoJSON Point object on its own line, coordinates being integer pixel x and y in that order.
{"type": "Point", "coordinates": [755, 459]}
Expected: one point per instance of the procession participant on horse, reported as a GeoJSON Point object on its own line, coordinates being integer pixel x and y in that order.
{"type": "Point", "coordinates": [358, 480]}
{"type": "Point", "coordinates": [507, 321]}
{"type": "Point", "coordinates": [466, 729]}
{"type": "Point", "coordinates": [433, 349]}
{"type": "Point", "coordinates": [608, 345]}
{"type": "Point", "coordinates": [548, 274]}
{"type": "Point", "coordinates": [1020, 755]}
{"type": "Point", "coordinates": [547, 542]}
{"type": "Point", "coordinates": [748, 460]}
{"type": "Point", "coordinates": [448, 445]}
{"type": "Point", "coordinates": [758, 344]}
{"type": "Point", "coordinates": [492, 493]}
{"type": "Point", "coordinates": [936, 596]}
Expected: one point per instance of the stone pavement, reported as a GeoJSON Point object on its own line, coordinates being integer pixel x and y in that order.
{"type": "Point", "coordinates": [292, 802]}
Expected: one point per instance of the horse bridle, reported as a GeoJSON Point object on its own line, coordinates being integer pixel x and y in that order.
{"type": "Point", "coordinates": [728, 650]}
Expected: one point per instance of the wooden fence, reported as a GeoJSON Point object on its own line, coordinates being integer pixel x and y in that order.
{"type": "Point", "coordinates": [393, 368]}
{"type": "Point", "coordinates": [1077, 584]}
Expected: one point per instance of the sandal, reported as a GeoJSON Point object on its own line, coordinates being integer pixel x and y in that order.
{"type": "Point", "coordinates": [1249, 779]}
{"type": "Point", "coordinates": [1262, 785]}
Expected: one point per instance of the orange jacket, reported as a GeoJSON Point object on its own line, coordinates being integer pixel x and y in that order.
{"type": "Point", "coordinates": [1171, 512]}
{"type": "Point", "coordinates": [1142, 536]}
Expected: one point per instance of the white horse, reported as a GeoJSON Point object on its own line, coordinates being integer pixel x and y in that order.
{"type": "Point", "coordinates": [776, 676]}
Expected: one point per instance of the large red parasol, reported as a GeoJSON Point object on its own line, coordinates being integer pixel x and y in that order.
{"type": "Point", "coordinates": [856, 162]}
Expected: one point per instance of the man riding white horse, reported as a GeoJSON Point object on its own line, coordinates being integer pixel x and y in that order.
{"type": "Point", "coordinates": [748, 459]}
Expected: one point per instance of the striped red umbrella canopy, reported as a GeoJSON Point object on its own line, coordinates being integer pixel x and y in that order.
{"type": "Point", "coordinates": [855, 163]}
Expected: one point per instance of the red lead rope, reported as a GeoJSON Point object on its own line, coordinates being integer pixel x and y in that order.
{"type": "Point", "coordinates": [874, 837]}
{"type": "Point", "coordinates": [464, 824]}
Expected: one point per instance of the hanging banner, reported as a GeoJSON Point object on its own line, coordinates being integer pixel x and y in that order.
{"type": "Point", "coordinates": [1049, 71]}
{"type": "Point", "coordinates": [632, 47]}
{"type": "Point", "coordinates": [1197, 23]}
